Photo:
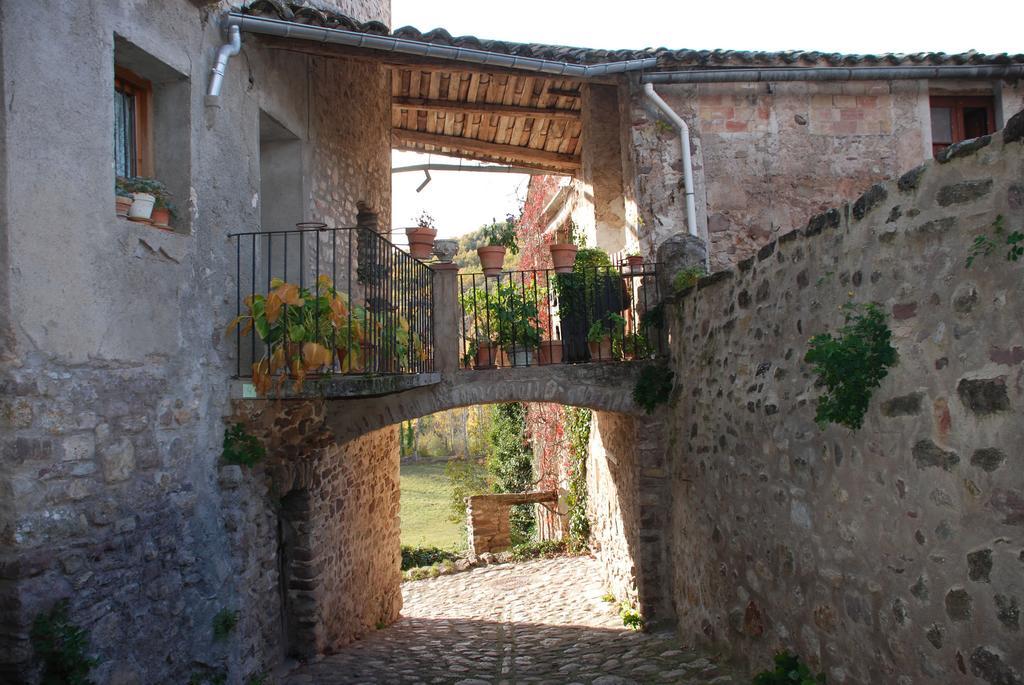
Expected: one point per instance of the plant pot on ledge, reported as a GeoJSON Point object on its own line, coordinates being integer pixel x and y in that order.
{"type": "Point", "coordinates": [635, 262]}
{"type": "Point", "coordinates": [486, 356]}
{"type": "Point", "coordinates": [421, 241]}
{"type": "Point", "coordinates": [550, 352]}
{"type": "Point", "coordinates": [520, 355]}
{"type": "Point", "coordinates": [563, 256]}
{"type": "Point", "coordinates": [162, 218]}
{"type": "Point", "coordinates": [492, 257]}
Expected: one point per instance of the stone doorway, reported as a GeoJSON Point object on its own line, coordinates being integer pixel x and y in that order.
{"type": "Point", "coordinates": [295, 576]}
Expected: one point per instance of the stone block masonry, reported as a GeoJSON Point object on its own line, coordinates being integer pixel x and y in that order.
{"type": "Point", "coordinates": [892, 554]}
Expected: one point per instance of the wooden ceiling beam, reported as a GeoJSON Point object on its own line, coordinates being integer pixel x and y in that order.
{"type": "Point", "coordinates": [483, 108]}
{"type": "Point", "coordinates": [544, 159]}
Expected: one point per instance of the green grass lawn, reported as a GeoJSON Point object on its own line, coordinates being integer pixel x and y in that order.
{"type": "Point", "coordinates": [425, 507]}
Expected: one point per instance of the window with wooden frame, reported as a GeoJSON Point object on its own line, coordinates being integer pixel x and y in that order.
{"type": "Point", "coordinates": [133, 97]}
{"type": "Point", "coordinates": [956, 118]}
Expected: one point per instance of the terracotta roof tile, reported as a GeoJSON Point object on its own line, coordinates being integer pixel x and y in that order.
{"type": "Point", "coordinates": [306, 13]}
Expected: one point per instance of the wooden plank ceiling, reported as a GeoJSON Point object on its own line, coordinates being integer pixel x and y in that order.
{"type": "Point", "coordinates": [522, 119]}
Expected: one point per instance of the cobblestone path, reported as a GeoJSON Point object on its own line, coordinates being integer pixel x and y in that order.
{"type": "Point", "coordinates": [536, 622]}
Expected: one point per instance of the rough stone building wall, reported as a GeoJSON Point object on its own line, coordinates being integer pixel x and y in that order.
{"type": "Point", "coordinates": [891, 554]}
{"type": "Point", "coordinates": [763, 160]}
{"type": "Point", "coordinates": [113, 383]}
{"type": "Point", "coordinates": [613, 491]}
{"type": "Point", "coordinates": [317, 525]}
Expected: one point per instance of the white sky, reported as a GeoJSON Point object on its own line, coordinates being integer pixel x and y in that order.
{"type": "Point", "coordinates": [463, 201]}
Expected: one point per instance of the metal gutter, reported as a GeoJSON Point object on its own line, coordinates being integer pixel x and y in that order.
{"type": "Point", "coordinates": [684, 144]}
{"type": "Point", "coordinates": [318, 34]}
{"type": "Point", "coordinates": [745, 75]}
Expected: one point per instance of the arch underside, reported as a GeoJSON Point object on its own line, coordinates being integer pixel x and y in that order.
{"type": "Point", "coordinates": [603, 387]}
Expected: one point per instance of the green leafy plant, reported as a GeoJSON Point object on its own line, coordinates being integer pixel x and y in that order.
{"type": "Point", "coordinates": [577, 428]}
{"type": "Point", "coordinates": [426, 555]}
{"type": "Point", "coordinates": [789, 670]}
{"type": "Point", "coordinates": [466, 477]}
{"type": "Point", "coordinates": [502, 233]}
{"type": "Point", "coordinates": [547, 549]}
{"type": "Point", "coordinates": [984, 244]}
{"type": "Point", "coordinates": [852, 364]}
{"type": "Point", "coordinates": [242, 448]}
{"type": "Point", "coordinates": [224, 621]}
{"type": "Point", "coordinates": [687, 278]}
{"type": "Point", "coordinates": [571, 234]}
{"type": "Point", "coordinates": [631, 617]}
{"type": "Point", "coordinates": [515, 316]}
{"type": "Point", "coordinates": [424, 220]}
{"type": "Point", "coordinates": [608, 597]}
{"type": "Point", "coordinates": [653, 387]}
{"type": "Point", "coordinates": [653, 317]}
{"type": "Point", "coordinates": [510, 464]}
{"type": "Point", "coordinates": [61, 647]}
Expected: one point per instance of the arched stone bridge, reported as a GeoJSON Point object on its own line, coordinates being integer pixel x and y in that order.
{"type": "Point", "coordinates": [350, 408]}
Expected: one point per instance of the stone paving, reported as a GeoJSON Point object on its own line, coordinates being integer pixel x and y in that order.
{"type": "Point", "coordinates": [541, 621]}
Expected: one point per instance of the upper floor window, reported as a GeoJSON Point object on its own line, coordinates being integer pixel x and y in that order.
{"type": "Point", "coordinates": [956, 118]}
{"type": "Point", "coordinates": [132, 96]}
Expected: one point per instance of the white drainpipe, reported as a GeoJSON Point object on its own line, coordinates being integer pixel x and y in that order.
{"type": "Point", "coordinates": [684, 140]}
{"type": "Point", "coordinates": [226, 52]}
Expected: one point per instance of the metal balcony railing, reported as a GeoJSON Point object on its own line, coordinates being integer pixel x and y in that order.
{"type": "Point", "coordinates": [528, 318]}
{"type": "Point", "coordinates": [319, 301]}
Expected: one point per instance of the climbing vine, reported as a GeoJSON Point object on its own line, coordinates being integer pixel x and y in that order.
{"type": "Point", "coordinates": [510, 464]}
{"type": "Point", "coordinates": [653, 386]}
{"type": "Point", "coordinates": [242, 448]}
{"type": "Point", "coordinates": [852, 364]}
{"type": "Point", "coordinates": [578, 432]}
{"type": "Point", "coordinates": [985, 244]}
{"type": "Point", "coordinates": [62, 648]}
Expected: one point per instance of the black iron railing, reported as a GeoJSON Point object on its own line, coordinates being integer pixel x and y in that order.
{"type": "Point", "coordinates": [527, 318]}
{"type": "Point", "coordinates": [319, 301]}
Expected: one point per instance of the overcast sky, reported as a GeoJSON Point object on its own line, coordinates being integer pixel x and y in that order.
{"type": "Point", "coordinates": [462, 201]}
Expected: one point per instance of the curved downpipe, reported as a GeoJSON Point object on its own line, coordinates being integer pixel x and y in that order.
{"type": "Point", "coordinates": [684, 141]}
{"type": "Point", "coordinates": [228, 50]}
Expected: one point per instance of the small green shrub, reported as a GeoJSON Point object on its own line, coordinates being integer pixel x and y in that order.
{"type": "Point", "coordinates": [608, 597]}
{"type": "Point", "coordinates": [687, 278]}
{"type": "Point", "coordinates": [538, 549]}
{"type": "Point", "coordinates": [61, 647]}
{"type": "Point", "coordinates": [223, 623]}
{"type": "Point", "coordinates": [242, 448]}
{"type": "Point", "coordinates": [789, 671]}
{"type": "Point", "coordinates": [630, 616]}
{"type": "Point", "coordinates": [577, 430]}
{"type": "Point", "coordinates": [413, 557]}
{"type": "Point", "coordinates": [653, 387]}
{"type": "Point", "coordinates": [851, 365]}
{"type": "Point", "coordinates": [984, 244]}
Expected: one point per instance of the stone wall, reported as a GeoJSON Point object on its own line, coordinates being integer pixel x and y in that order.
{"type": "Point", "coordinates": [766, 157]}
{"type": "Point", "coordinates": [114, 377]}
{"type": "Point", "coordinates": [487, 518]}
{"type": "Point", "coordinates": [316, 527]}
{"type": "Point", "coordinates": [891, 554]}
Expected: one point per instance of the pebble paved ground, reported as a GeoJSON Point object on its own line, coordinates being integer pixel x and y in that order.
{"type": "Point", "coordinates": [535, 622]}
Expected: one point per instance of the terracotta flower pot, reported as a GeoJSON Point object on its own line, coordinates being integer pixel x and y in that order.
{"type": "Point", "coordinates": [421, 241]}
{"type": "Point", "coordinates": [161, 217]}
{"type": "Point", "coordinates": [635, 261]}
{"type": "Point", "coordinates": [486, 356]}
{"type": "Point", "coordinates": [550, 352]}
{"type": "Point", "coordinates": [602, 350]}
{"type": "Point", "coordinates": [122, 204]}
{"type": "Point", "coordinates": [491, 258]}
{"type": "Point", "coordinates": [563, 255]}
{"type": "Point", "coordinates": [520, 355]}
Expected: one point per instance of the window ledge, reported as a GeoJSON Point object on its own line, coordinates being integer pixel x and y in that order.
{"type": "Point", "coordinates": [147, 241]}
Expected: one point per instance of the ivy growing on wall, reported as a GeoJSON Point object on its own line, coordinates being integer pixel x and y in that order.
{"type": "Point", "coordinates": [578, 433]}
{"type": "Point", "coordinates": [653, 386]}
{"type": "Point", "coordinates": [851, 364]}
{"type": "Point", "coordinates": [510, 464]}
{"type": "Point", "coordinates": [62, 648]}
{"type": "Point", "coordinates": [242, 448]}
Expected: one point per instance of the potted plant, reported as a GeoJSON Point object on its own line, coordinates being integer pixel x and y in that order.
{"type": "Point", "coordinates": [518, 330]}
{"type": "Point", "coordinates": [299, 328]}
{"type": "Point", "coordinates": [445, 250]}
{"type": "Point", "coordinates": [122, 196]}
{"type": "Point", "coordinates": [606, 336]}
{"type": "Point", "coordinates": [635, 260]}
{"type": "Point", "coordinates": [421, 236]}
{"type": "Point", "coordinates": [481, 353]}
{"type": "Point", "coordinates": [145, 192]}
{"type": "Point", "coordinates": [500, 237]}
{"type": "Point", "coordinates": [550, 352]}
{"type": "Point", "coordinates": [163, 212]}
{"type": "Point", "coordinates": [563, 250]}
